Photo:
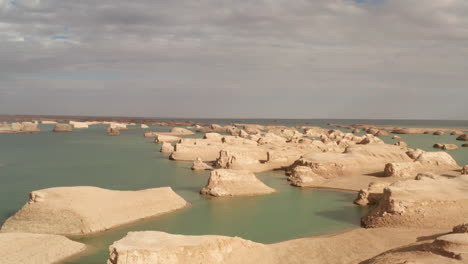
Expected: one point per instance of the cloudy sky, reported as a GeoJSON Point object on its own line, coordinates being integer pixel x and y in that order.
{"type": "Point", "coordinates": [235, 58]}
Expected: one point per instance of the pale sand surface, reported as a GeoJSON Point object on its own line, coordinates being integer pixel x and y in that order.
{"type": "Point", "coordinates": [353, 246]}
{"type": "Point", "coordinates": [17, 248]}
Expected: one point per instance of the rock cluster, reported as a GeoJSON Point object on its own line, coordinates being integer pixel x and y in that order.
{"type": "Point", "coordinates": [24, 127]}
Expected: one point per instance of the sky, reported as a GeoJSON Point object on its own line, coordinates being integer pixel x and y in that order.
{"type": "Point", "coordinates": [378, 59]}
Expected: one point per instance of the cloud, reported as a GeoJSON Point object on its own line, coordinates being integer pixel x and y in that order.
{"type": "Point", "coordinates": [345, 57]}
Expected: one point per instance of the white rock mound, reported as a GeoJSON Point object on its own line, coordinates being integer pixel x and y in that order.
{"type": "Point", "coordinates": [163, 248]}
{"type": "Point", "coordinates": [225, 182]}
{"type": "Point", "coordinates": [36, 248]}
{"type": "Point", "coordinates": [85, 209]}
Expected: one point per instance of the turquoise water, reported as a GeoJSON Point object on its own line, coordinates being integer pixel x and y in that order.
{"type": "Point", "coordinates": [131, 162]}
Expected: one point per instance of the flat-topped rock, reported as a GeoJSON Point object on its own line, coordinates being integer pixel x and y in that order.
{"type": "Point", "coordinates": [178, 131]}
{"type": "Point", "coordinates": [426, 203]}
{"type": "Point", "coordinates": [449, 147]}
{"type": "Point", "coordinates": [85, 209]}
{"type": "Point", "coordinates": [63, 128]}
{"type": "Point", "coordinates": [150, 134]}
{"type": "Point", "coordinates": [162, 248]}
{"type": "Point", "coordinates": [225, 182]}
{"type": "Point", "coordinates": [357, 159]}
{"type": "Point", "coordinates": [18, 248]}
{"type": "Point", "coordinates": [77, 124]}
{"type": "Point", "coordinates": [425, 162]}
{"type": "Point", "coordinates": [166, 138]}
{"type": "Point", "coordinates": [303, 176]}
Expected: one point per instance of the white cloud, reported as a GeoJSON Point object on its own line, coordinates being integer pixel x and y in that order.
{"type": "Point", "coordinates": [320, 47]}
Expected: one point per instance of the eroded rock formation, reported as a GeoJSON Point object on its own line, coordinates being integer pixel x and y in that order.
{"type": "Point", "coordinates": [85, 210]}
{"type": "Point", "coordinates": [198, 164]}
{"type": "Point", "coordinates": [224, 182]}
{"type": "Point", "coordinates": [162, 248]}
{"type": "Point", "coordinates": [426, 203]}
{"type": "Point", "coordinates": [63, 128]}
{"type": "Point", "coordinates": [425, 162]}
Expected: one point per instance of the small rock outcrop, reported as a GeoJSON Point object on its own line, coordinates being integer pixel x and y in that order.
{"type": "Point", "coordinates": [396, 137]}
{"type": "Point", "coordinates": [63, 128]}
{"type": "Point", "coordinates": [463, 137]}
{"type": "Point", "coordinates": [382, 133]}
{"type": "Point", "coordinates": [85, 209]}
{"type": "Point", "coordinates": [304, 176]}
{"type": "Point", "coordinates": [225, 182]}
{"type": "Point", "coordinates": [464, 170]}
{"type": "Point", "coordinates": [166, 147]}
{"type": "Point", "coordinates": [465, 145]}
{"type": "Point", "coordinates": [144, 126]}
{"type": "Point", "coordinates": [36, 248]}
{"type": "Point", "coordinates": [450, 147]}
{"type": "Point", "coordinates": [438, 133]}
{"type": "Point", "coordinates": [462, 228]}
{"type": "Point", "coordinates": [162, 248]}
{"type": "Point", "coordinates": [198, 164]}
{"type": "Point", "coordinates": [371, 195]}
{"type": "Point", "coordinates": [113, 131]}
{"type": "Point", "coordinates": [438, 145]}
